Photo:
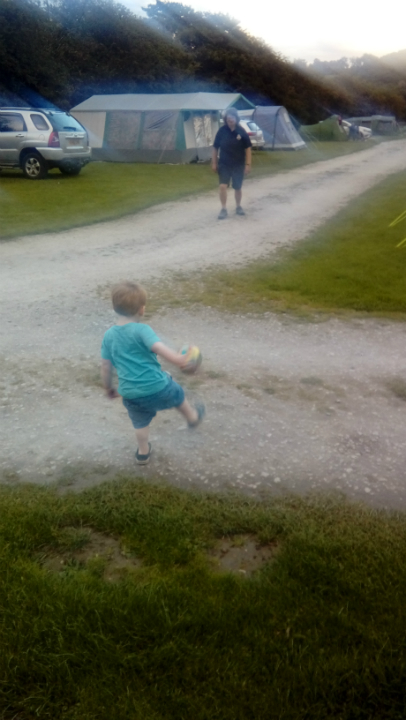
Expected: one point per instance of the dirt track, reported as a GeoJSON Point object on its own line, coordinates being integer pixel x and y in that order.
{"type": "Point", "coordinates": [290, 405]}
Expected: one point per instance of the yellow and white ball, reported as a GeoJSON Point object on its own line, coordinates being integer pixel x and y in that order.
{"type": "Point", "coordinates": [194, 358]}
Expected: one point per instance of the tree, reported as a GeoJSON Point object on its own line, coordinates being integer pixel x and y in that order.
{"type": "Point", "coordinates": [63, 51]}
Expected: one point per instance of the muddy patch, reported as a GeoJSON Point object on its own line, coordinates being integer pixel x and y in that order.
{"type": "Point", "coordinates": [397, 386]}
{"type": "Point", "coordinates": [242, 555]}
{"type": "Point", "coordinates": [90, 550]}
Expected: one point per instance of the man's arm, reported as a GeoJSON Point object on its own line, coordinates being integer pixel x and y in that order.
{"type": "Point", "coordinates": [248, 156]}
{"type": "Point", "coordinates": [214, 156]}
{"type": "Point", "coordinates": [106, 372]}
{"type": "Point", "coordinates": [173, 357]}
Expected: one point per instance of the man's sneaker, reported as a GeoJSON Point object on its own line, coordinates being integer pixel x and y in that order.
{"type": "Point", "coordinates": [223, 213]}
{"type": "Point", "coordinates": [239, 210]}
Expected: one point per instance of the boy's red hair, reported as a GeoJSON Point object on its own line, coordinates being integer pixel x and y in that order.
{"type": "Point", "coordinates": [128, 298]}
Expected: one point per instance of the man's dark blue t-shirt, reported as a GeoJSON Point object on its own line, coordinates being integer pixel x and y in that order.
{"type": "Point", "coordinates": [232, 145]}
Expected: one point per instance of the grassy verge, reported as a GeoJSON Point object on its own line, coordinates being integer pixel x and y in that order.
{"type": "Point", "coordinates": [104, 191]}
{"type": "Point", "coordinates": [317, 633]}
{"type": "Point", "coordinates": [351, 264]}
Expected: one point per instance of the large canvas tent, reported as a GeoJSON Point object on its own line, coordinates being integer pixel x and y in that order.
{"type": "Point", "coordinates": [155, 128]}
{"type": "Point", "coordinates": [277, 127]}
{"type": "Point", "coordinates": [379, 124]}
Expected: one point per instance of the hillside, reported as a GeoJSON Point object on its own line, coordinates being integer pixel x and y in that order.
{"type": "Point", "coordinates": [63, 51]}
{"type": "Point", "coordinates": [372, 84]}
{"type": "Point", "coordinates": [396, 60]}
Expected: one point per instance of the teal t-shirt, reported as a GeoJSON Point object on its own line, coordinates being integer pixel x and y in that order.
{"type": "Point", "coordinates": [128, 347]}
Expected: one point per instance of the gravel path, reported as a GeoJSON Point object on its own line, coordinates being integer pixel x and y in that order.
{"type": "Point", "coordinates": [291, 405]}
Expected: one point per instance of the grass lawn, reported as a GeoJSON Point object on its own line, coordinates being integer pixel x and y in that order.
{"type": "Point", "coordinates": [109, 190]}
{"type": "Point", "coordinates": [317, 633]}
{"type": "Point", "coordinates": [351, 264]}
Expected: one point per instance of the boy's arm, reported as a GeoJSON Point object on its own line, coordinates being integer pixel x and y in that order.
{"type": "Point", "coordinates": [173, 357]}
{"type": "Point", "coordinates": [106, 372]}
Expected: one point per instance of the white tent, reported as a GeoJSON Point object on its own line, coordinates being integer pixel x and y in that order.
{"type": "Point", "coordinates": [155, 128]}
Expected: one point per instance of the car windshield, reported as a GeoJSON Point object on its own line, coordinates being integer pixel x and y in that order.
{"type": "Point", "coordinates": [63, 122]}
{"type": "Point", "coordinates": [253, 126]}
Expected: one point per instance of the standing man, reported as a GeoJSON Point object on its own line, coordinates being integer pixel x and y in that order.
{"type": "Point", "coordinates": [231, 158]}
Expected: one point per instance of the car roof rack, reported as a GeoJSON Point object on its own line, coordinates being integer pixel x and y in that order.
{"type": "Point", "coordinates": [29, 107]}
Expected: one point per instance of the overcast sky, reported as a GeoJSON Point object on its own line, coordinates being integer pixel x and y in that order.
{"type": "Point", "coordinates": [313, 28]}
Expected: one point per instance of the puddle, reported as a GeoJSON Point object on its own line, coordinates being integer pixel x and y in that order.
{"type": "Point", "coordinates": [98, 547]}
{"type": "Point", "coordinates": [242, 554]}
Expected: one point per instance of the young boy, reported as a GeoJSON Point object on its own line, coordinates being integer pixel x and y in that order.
{"type": "Point", "coordinates": [132, 348]}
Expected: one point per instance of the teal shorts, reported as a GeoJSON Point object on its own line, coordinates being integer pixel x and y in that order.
{"type": "Point", "coordinates": [142, 410]}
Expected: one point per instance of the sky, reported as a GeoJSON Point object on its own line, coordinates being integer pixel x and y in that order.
{"type": "Point", "coordinates": [310, 29]}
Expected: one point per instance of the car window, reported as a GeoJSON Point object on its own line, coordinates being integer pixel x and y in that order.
{"type": "Point", "coordinates": [253, 126]}
{"type": "Point", "coordinates": [63, 122]}
{"type": "Point", "coordinates": [39, 122]}
{"type": "Point", "coordinates": [12, 122]}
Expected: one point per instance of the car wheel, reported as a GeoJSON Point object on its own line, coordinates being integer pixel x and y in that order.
{"type": "Point", "coordinates": [70, 169]}
{"type": "Point", "coordinates": [34, 166]}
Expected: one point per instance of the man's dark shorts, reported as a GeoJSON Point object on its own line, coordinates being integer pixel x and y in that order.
{"type": "Point", "coordinates": [234, 173]}
{"type": "Point", "coordinates": [142, 410]}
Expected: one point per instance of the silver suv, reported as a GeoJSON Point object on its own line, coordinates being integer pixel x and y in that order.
{"type": "Point", "coordinates": [38, 140]}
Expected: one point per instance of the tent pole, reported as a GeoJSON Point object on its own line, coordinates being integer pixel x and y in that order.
{"type": "Point", "coordinates": [274, 131]}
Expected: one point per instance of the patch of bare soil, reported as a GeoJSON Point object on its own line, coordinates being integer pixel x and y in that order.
{"type": "Point", "coordinates": [98, 552]}
{"type": "Point", "coordinates": [242, 555]}
{"type": "Point", "coordinates": [104, 555]}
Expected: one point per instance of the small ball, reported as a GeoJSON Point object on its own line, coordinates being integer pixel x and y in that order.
{"type": "Point", "coordinates": [194, 357]}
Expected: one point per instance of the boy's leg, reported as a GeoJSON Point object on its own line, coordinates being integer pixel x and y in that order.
{"type": "Point", "coordinates": [189, 412]}
{"type": "Point", "coordinates": [193, 415]}
{"type": "Point", "coordinates": [142, 435]}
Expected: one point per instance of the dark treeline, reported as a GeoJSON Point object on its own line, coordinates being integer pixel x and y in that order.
{"type": "Point", "coordinates": [63, 51]}
{"type": "Point", "coordinates": [67, 50]}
